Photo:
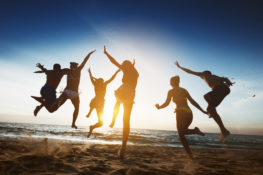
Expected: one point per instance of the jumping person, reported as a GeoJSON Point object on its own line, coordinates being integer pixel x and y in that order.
{"type": "Point", "coordinates": [220, 89]}
{"type": "Point", "coordinates": [184, 114]}
{"type": "Point", "coordinates": [71, 90]}
{"type": "Point", "coordinates": [97, 102]}
{"type": "Point", "coordinates": [125, 95]}
{"type": "Point", "coordinates": [48, 91]}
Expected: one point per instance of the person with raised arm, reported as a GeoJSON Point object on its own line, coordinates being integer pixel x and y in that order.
{"type": "Point", "coordinates": [48, 91]}
{"type": "Point", "coordinates": [183, 112]}
{"type": "Point", "coordinates": [125, 95]}
{"type": "Point", "coordinates": [97, 102]}
{"type": "Point", "coordinates": [220, 89]}
{"type": "Point", "coordinates": [71, 90]}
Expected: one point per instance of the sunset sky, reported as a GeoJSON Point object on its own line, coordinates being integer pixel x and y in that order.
{"type": "Point", "coordinates": [225, 37]}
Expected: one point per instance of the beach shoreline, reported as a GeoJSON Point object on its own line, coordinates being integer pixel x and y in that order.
{"type": "Point", "coordinates": [50, 156]}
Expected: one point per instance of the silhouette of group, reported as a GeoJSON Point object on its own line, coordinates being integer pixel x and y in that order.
{"type": "Point", "coordinates": [125, 95]}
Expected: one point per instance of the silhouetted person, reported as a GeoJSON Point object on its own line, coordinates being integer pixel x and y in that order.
{"type": "Point", "coordinates": [98, 101]}
{"type": "Point", "coordinates": [184, 114]}
{"type": "Point", "coordinates": [124, 94]}
{"type": "Point", "coordinates": [48, 91]}
{"type": "Point", "coordinates": [220, 89]}
{"type": "Point", "coordinates": [71, 90]}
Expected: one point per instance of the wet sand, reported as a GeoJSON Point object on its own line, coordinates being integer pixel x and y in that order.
{"type": "Point", "coordinates": [43, 156]}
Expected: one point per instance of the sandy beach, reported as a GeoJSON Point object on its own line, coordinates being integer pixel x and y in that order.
{"type": "Point", "coordinates": [43, 156]}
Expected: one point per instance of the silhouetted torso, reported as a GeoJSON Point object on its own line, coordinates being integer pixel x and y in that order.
{"type": "Point", "coordinates": [54, 77]}
{"type": "Point", "coordinates": [179, 96]}
{"type": "Point", "coordinates": [212, 80]}
{"type": "Point", "coordinates": [73, 79]}
{"type": "Point", "coordinates": [100, 90]}
{"type": "Point", "coordinates": [130, 77]}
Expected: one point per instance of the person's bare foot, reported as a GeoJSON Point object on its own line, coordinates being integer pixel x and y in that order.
{"type": "Point", "coordinates": [199, 132]}
{"type": "Point", "coordinates": [223, 136]}
{"type": "Point", "coordinates": [90, 131]}
{"type": "Point", "coordinates": [74, 126]}
{"type": "Point", "coordinates": [37, 109]}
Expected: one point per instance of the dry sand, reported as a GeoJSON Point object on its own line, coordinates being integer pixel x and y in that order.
{"type": "Point", "coordinates": [43, 156]}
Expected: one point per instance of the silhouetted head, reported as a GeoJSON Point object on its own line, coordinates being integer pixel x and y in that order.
{"type": "Point", "coordinates": [73, 65]}
{"type": "Point", "coordinates": [99, 81]}
{"type": "Point", "coordinates": [56, 67]}
{"type": "Point", "coordinates": [207, 72]}
{"type": "Point", "coordinates": [174, 81]}
{"type": "Point", "coordinates": [127, 64]}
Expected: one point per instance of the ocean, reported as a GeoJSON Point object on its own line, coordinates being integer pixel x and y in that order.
{"type": "Point", "coordinates": [137, 136]}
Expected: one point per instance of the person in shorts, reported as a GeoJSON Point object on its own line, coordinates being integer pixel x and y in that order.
{"type": "Point", "coordinates": [48, 91]}
{"type": "Point", "coordinates": [71, 90]}
{"type": "Point", "coordinates": [220, 89]}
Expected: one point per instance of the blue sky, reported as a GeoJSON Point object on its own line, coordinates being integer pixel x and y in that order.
{"type": "Point", "coordinates": [222, 36]}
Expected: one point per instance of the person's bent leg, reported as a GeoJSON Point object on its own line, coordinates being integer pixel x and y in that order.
{"type": "Point", "coordinates": [48, 107]}
{"type": "Point", "coordinates": [75, 103]}
{"type": "Point", "coordinates": [54, 106]}
{"type": "Point", "coordinates": [97, 125]}
{"type": "Point", "coordinates": [196, 130]}
{"type": "Point", "coordinates": [185, 143]}
{"type": "Point", "coordinates": [60, 101]}
{"type": "Point", "coordinates": [126, 128]}
{"type": "Point", "coordinates": [115, 113]}
{"type": "Point", "coordinates": [37, 109]}
{"type": "Point", "coordinates": [183, 121]}
{"type": "Point", "coordinates": [212, 111]}
{"type": "Point", "coordinates": [99, 114]}
{"type": "Point", "coordinates": [90, 111]}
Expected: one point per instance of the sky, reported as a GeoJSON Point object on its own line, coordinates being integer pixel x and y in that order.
{"type": "Point", "coordinates": [224, 37]}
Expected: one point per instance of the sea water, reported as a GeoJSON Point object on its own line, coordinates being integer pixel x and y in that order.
{"type": "Point", "coordinates": [137, 136]}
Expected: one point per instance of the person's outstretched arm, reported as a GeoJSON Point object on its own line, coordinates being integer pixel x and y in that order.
{"type": "Point", "coordinates": [188, 70]}
{"type": "Point", "coordinates": [43, 69]}
{"type": "Point", "coordinates": [85, 60]}
{"type": "Point", "coordinates": [65, 71]}
{"type": "Point", "coordinates": [193, 102]}
{"type": "Point", "coordinates": [91, 77]}
{"type": "Point", "coordinates": [112, 78]}
{"type": "Point", "coordinates": [40, 71]}
{"type": "Point", "coordinates": [112, 59]}
{"type": "Point", "coordinates": [166, 103]}
{"type": "Point", "coordinates": [227, 81]}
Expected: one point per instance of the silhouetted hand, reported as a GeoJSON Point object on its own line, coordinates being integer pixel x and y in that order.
{"type": "Point", "coordinates": [91, 52]}
{"type": "Point", "coordinates": [105, 49]}
{"type": "Point", "coordinates": [228, 82]}
{"type": "Point", "coordinates": [157, 106]}
{"type": "Point", "coordinates": [177, 64]}
{"type": "Point", "coordinates": [39, 65]}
